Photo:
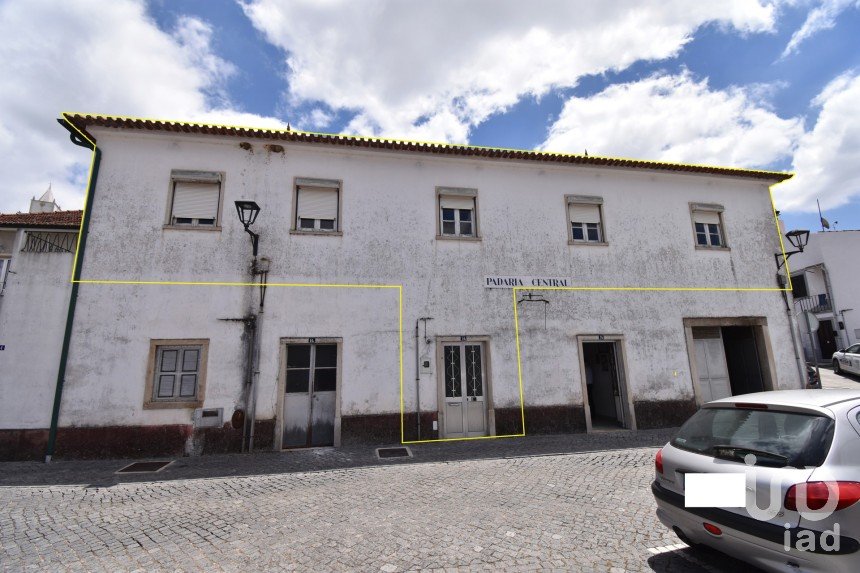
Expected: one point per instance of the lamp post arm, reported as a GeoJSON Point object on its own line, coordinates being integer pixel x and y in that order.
{"type": "Point", "coordinates": [255, 239]}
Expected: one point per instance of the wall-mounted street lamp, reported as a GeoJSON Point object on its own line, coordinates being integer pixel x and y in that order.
{"type": "Point", "coordinates": [798, 240]}
{"type": "Point", "coordinates": [248, 211]}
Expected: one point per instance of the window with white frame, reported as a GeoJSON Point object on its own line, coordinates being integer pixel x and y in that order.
{"type": "Point", "coordinates": [317, 205]}
{"type": "Point", "coordinates": [177, 373]}
{"type": "Point", "coordinates": [585, 216]}
{"type": "Point", "coordinates": [458, 213]}
{"type": "Point", "coordinates": [195, 198]}
{"type": "Point", "coordinates": [708, 226]}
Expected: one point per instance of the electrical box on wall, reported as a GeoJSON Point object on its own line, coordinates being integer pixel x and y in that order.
{"type": "Point", "coordinates": [208, 417]}
{"type": "Point", "coordinates": [426, 364]}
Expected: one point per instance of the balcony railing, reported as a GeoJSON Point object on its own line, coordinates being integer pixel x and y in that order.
{"type": "Point", "coordinates": [813, 303]}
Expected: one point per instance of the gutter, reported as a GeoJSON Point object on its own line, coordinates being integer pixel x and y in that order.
{"type": "Point", "coordinates": [78, 139]}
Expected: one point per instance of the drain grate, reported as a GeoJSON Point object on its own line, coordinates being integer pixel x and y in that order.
{"type": "Point", "coordinates": [144, 467]}
{"type": "Point", "coordinates": [400, 452]}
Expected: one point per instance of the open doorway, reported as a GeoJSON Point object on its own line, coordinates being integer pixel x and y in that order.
{"type": "Point", "coordinates": [605, 388]}
{"type": "Point", "coordinates": [729, 357]}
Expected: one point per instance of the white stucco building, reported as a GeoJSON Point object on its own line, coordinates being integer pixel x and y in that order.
{"type": "Point", "coordinates": [157, 365]}
{"type": "Point", "coordinates": [36, 254]}
{"type": "Point", "coordinates": [826, 282]}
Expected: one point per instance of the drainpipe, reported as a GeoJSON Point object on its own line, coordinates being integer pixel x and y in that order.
{"type": "Point", "coordinates": [792, 326]}
{"type": "Point", "coordinates": [418, 372]}
{"type": "Point", "coordinates": [255, 352]}
{"type": "Point", "coordinates": [80, 141]}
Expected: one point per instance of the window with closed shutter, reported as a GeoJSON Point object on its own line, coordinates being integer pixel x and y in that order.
{"type": "Point", "coordinates": [457, 216]}
{"type": "Point", "coordinates": [196, 198]}
{"type": "Point", "coordinates": [708, 227]}
{"type": "Point", "coordinates": [317, 208]}
{"type": "Point", "coordinates": [586, 224]}
{"type": "Point", "coordinates": [177, 371]}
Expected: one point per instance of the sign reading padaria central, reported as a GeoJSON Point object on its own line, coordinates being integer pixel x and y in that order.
{"type": "Point", "coordinates": [516, 282]}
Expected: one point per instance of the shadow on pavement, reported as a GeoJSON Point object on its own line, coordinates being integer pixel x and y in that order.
{"type": "Point", "coordinates": [101, 473]}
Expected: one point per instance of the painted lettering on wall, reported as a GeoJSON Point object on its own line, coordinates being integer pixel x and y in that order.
{"type": "Point", "coordinates": [525, 282]}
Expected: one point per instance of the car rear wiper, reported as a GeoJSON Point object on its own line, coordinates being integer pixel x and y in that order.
{"type": "Point", "coordinates": [732, 452]}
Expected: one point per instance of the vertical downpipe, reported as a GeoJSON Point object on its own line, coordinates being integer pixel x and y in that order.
{"type": "Point", "coordinates": [76, 277]}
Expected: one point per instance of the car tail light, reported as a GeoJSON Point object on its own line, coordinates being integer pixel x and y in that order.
{"type": "Point", "coordinates": [818, 492]}
{"type": "Point", "coordinates": [658, 461]}
{"type": "Point", "coordinates": [712, 529]}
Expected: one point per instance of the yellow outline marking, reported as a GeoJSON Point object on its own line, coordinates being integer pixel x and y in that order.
{"type": "Point", "coordinates": [742, 171]}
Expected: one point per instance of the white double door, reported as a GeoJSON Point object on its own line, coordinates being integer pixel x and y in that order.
{"type": "Point", "coordinates": [464, 402]}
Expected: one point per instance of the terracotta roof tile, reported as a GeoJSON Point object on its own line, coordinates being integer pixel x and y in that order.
{"type": "Point", "coordinates": [83, 121]}
{"type": "Point", "coordinates": [56, 220]}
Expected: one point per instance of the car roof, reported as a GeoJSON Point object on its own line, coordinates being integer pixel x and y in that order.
{"type": "Point", "coordinates": [811, 398]}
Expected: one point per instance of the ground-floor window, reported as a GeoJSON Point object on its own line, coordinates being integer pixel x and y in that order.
{"type": "Point", "coordinates": [177, 373]}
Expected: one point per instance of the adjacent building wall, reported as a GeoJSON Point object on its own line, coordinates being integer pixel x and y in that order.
{"type": "Point", "coordinates": [32, 318]}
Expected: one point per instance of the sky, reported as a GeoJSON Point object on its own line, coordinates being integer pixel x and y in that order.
{"type": "Point", "coordinates": [771, 84]}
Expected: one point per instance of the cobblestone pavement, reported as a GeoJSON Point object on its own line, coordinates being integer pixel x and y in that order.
{"type": "Point", "coordinates": [511, 511]}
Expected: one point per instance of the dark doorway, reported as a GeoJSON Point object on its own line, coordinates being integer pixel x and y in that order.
{"type": "Point", "coordinates": [742, 359]}
{"type": "Point", "coordinates": [603, 385]}
{"type": "Point", "coordinates": [826, 339]}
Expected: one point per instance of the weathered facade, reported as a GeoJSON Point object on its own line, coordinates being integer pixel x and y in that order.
{"type": "Point", "coordinates": [160, 365]}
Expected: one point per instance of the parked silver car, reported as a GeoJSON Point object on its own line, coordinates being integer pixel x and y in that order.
{"type": "Point", "coordinates": [847, 360]}
{"type": "Point", "coordinates": [800, 453]}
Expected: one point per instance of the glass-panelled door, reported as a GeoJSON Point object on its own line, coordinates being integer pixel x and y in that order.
{"type": "Point", "coordinates": [465, 404]}
{"type": "Point", "coordinates": [310, 398]}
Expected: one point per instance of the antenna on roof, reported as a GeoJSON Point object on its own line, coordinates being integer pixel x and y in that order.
{"type": "Point", "coordinates": [825, 224]}
{"type": "Point", "coordinates": [586, 153]}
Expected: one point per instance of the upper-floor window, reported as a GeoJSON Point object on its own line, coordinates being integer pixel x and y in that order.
{"type": "Point", "coordinates": [317, 206]}
{"type": "Point", "coordinates": [708, 225]}
{"type": "Point", "coordinates": [195, 199]}
{"type": "Point", "coordinates": [585, 219]}
{"type": "Point", "coordinates": [458, 212]}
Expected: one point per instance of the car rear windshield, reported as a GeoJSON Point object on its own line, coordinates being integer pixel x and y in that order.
{"type": "Point", "coordinates": [774, 438]}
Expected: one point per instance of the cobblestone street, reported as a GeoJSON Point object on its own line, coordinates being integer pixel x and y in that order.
{"type": "Point", "coordinates": [587, 511]}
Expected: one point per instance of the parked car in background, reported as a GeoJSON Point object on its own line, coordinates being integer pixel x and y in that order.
{"type": "Point", "coordinates": [847, 360]}
{"type": "Point", "coordinates": [793, 446]}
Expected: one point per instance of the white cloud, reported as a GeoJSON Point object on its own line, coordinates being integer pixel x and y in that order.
{"type": "Point", "coordinates": [317, 119]}
{"type": "Point", "coordinates": [676, 118]}
{"type": "Point", "coordinates": [433, 70]}
{"type": "Point", "coordinates": [100, 57]}
{"type": "Point", "coordinates": [822, 17]}
{"type": "Point", "coordinates": [827, 160]}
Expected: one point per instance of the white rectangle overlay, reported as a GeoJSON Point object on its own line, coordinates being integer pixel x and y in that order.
{"type": "Point", "coordinates": [715, 490]}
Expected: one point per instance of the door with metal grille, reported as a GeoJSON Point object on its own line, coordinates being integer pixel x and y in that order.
{"type": "Point", "coordinates": [465, 404]}
{"type": "Point", "coordinates": [310, 399]}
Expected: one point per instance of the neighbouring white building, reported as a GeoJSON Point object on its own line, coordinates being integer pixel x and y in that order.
{"type": "Point", "coordinates": [36, 254]}
{"type": "Point", "coordinates": [826, 282]}
{"type": "Point", "coordinates": [166, 354]}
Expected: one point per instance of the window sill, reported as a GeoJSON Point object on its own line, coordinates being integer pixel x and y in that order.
{"type": "Point", "coordinates": [457, 238]}
{"type": "Point", "coordinates": [587, 243]}
{"type": "Point", "coordinates": [192, 228]}
{"type": "Point", "coordinates": [319, 233]}
{"type": "Point", "coordinates": [155, 405]}
{"type": "Point", "coordinates": [702, 248]}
